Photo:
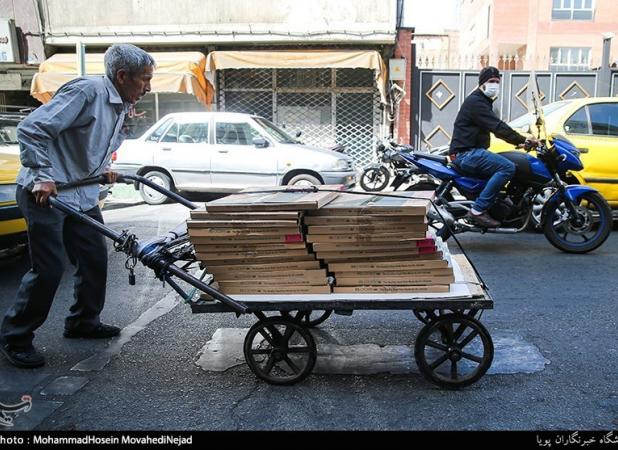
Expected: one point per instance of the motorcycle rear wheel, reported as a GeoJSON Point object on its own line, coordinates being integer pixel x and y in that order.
{"type": "Point", "coordinates": [564, 233]}
{"type": "Point", "coordinates": [375, 179]}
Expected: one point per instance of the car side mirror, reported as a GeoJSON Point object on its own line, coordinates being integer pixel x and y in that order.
{"type": "Point", "coordinates": [260, 142]}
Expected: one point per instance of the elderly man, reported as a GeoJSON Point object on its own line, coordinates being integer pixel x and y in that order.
{"type": "Point", "coordinates": [468, 149]}
{"type": "Point", "coordinates": [70, 138]}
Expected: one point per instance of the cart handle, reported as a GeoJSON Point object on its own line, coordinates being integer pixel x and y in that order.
{"type": "Point", "coordinates": [102, 179]}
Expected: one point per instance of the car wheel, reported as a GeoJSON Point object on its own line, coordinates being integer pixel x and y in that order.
{"type": "Point", "coordinates": [304, 179]}
{"type": "Point", "coordinates": [151, 196]}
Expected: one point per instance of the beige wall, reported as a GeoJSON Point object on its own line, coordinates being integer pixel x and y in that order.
{"type": "Point", "coordinates": [220, 21]}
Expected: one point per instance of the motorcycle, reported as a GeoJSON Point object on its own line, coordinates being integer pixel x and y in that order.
{"type": "Point", "coordinates": [390, 164]}
{"type": "Point", "coordinates": [574, 219]}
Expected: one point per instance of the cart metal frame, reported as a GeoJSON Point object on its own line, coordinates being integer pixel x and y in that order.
{"type": "Point", "coordinates": [452, 350]}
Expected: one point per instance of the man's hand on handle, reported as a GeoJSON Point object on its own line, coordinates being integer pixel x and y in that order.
{"type": "Point", "coordinates": [111, 177]}
{"type": "Point", "coordinates": [530, 144]}
{"type": "Point", "coordinates": [42, 191]}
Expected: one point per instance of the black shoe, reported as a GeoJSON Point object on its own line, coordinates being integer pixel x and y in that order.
{"type": "Point", "coordinates": [483, 220]}
{"type": "Point", "coordinates": [101, 331]}
{"type": "Point", "coordinates": [26, 359]}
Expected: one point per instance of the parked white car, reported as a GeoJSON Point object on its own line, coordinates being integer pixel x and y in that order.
{"type": "Point", "coordinates": [226, 152]}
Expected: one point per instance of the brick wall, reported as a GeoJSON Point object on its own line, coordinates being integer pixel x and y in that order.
{"type": "Point", "coordinates": [403, 50]}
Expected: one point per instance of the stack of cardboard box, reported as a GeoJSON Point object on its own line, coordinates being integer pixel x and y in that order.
{"type": "Point", "coordinates": [293, 242]}
{"type": "Point", "coordinates": [379, 244]}
{"type": "Point", "coordinates": [252, 243]}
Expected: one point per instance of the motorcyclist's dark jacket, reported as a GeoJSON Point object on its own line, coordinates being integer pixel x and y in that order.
{"type": "Point", "coordinates": [475, 120]}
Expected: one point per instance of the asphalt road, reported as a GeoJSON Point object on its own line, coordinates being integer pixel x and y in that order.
{"type": "Point", "coordinates": [560, 308]}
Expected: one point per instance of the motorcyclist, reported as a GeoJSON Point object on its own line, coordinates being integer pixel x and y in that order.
{"type": "Point", "coordinates": [468, 148]}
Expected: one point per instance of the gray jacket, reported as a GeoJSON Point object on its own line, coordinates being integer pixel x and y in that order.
{"type": "Point", "coordinates": [72, 137]}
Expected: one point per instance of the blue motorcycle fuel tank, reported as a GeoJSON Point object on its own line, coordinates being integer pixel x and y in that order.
{"type": "Point", "coordinates": [569, 152]}
{"type": "Point", "coordinates": [529, 169]}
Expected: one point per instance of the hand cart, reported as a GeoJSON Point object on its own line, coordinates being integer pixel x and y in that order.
{"type": "Point", "coordinates": [452, 350]}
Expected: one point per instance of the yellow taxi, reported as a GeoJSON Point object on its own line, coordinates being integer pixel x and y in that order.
{"type": "Point", "coordinates": [591, 124]}
{"type": "Point", "coordinates": [12, 224]}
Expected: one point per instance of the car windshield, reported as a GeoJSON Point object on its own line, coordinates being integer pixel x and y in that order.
{"type": "Point", "coordinates": [528, 119]}
{"type": "Point", "coordinates": [275, 132]}
{"type": "Point", "coordinates": [8, 133]}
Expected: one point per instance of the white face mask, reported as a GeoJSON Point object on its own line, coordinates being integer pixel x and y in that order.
{"type": "Point", "coordinates": [491, 89]}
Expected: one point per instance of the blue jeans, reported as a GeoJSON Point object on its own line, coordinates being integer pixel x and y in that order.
{"type": "Point", "coordinates": [481, 163]}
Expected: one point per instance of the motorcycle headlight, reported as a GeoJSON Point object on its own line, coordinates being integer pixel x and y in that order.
{"type": "Point", "coordinates": [7, 193]}
{"type": "Point", "coordinates": [341, 164]}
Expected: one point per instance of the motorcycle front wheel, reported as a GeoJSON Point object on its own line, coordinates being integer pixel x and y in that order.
{"type": "Point", "coordinates": [585, 231]}
{"type": "Point", "coordinates": [375, 179]}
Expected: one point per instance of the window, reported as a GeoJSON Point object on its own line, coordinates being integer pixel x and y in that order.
{"type": "Point", "coordinates": [172, 134]}
{"type": "Point", "coordinates": [277, 133]}
{"type": "Point", "coordinates": [572, 10]}
{"type": "Point", "coordinates": [578, 123]}
{"type": "Point", "coordinates": [235, 133]}
{"type": "Point", "coordinates": [156, 134]}
{"type": "Point", "coordinates": [193, 133]}
{"type": "Point", "coordinates": [604, 119]}
{"type": "Point", "coordinates": [548, 110]}
{"type": "Point", "coordinates": [569, 58]}
{"type": "Point", "coordinates": [187, 133]}
{"type": "Point", "coordinates": [8, 133]}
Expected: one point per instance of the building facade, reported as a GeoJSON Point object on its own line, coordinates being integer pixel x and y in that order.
{"type": "Point", "coordinates": [21, 51]}
{"type": "Point", "coordinates": [341, 99]}
{"type": "Point", "coordinates": [561, 35]}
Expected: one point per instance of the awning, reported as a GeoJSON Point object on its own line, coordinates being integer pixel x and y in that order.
{"type": "Point", "coordinates": [180, 72]}
{"type": "Point", "coordinates": [299, 59]}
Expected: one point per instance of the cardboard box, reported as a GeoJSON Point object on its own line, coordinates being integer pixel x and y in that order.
{"type": "Point", "coordinates": [404, 280]}
{"type": "Point", "coordinates": [366, 229]}
{"type": "Point", "coordinates": [264, 267]}
{"type": "Point", "coordinates": [371, 246]}
{"type": "Point", "coordinates": [376, 237]}
{"type": "Point", "coordinates": [243, 224]}
{"type": "Point", "coordinates": [428, 256]}
{"type": "Point", "coordinates": [271, 201]}
{"type": "Point", "coordinates": [376, 221]}
{"type": "Point", "coordinates": [271, 283]}
{"type": "Point", "coordinates": [415, 203]}
{"type": "Point", "coordinates": [198, 214]}
{"type": "Point", "coordinates": [242, 233]}
{"type": "Point", "coordinates": [258, 254]}
{"type": "Point", "coordinates": [201, 248]}
{"type": "Point", "coordinates": [246, 289]}
{"type": "Point", "coordinates": [437, 266]}
{"type": "Point", "coordinates": [246, 240]}
{"type": "Point", "coordinates": [386, 265]}
{"type": "Point", "coordinates": [300, 276]}
{"type": "Point", "coordinates": [254, 259]}
{"type": "Point", "coordinates": [367, 255]}
{"type": "Point", "coordinates": [391, 289]}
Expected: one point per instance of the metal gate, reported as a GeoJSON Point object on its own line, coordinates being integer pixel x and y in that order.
{"type": "Point", "coordinates": [440, 94]}
{"type": "Point", "coordinates": [329, 106]}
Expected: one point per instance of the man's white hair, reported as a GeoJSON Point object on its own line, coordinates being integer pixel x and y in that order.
{"type": "Point", "coordinates": [126, 57]}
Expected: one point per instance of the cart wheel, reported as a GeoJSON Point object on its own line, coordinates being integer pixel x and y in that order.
{"type": "Point", "coordinates": [461, 340]}
{"type": "Point", "coordinates": [308, 318]}
{"type": "Point", "coordinates": [280, 350]}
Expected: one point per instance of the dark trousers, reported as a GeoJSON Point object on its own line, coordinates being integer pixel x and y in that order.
{"type": "Point", "coordinates": [50, 233]}
{"type": "Point", "coordinates": [479, 162]}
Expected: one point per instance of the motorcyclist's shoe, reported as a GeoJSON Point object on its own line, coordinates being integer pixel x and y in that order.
{"type": "Point", "coordinates": [482, 220]}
